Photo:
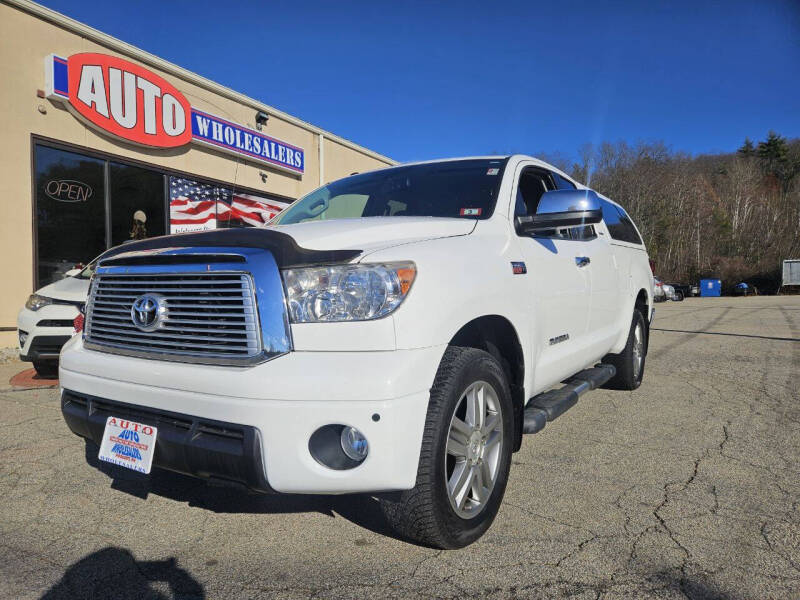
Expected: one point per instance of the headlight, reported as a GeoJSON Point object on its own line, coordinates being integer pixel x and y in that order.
{"type": "Point", "coordinates": [346, 292]}
{"type": "Point", "coordinates": [35, 302]}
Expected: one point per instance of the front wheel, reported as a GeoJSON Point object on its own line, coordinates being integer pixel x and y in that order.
{"type": "Point", "coordinates": [465, 456]}
{"type": "Point", "coordinates": [630, 362]}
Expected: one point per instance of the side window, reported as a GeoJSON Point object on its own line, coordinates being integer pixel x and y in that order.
{"type": "Point", "coordinates": [532, 184]}
{"type": "Point", "coordinates": [631, 235]}
{"type": "Point", "coordinates": [561, 182]}
{"type": "Point", "coordinates": [619, 224]}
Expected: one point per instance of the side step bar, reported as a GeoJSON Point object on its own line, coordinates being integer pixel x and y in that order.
{"type": "Point", "coordinates": [550, 405]}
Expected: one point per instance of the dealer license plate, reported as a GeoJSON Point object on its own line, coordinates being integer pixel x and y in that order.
{"type": "Point", "coordinates": [128, 444]}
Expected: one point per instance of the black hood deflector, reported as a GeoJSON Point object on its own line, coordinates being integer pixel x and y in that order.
{"type": "Point", "coordinates": [283, 247]}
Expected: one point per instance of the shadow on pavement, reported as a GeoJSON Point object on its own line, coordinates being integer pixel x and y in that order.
{"type": "Point", "coordinates": [115, 573]}
{"type": "Point", "coordinates": [744, 335]}
{"type": "Point", "coordinates": [360, 509]}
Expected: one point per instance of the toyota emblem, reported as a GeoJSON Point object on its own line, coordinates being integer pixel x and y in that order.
{"type": "Point", "coordinates": [148, 312]}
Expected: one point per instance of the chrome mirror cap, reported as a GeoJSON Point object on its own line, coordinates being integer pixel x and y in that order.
{"type": "Point", "coordinates": [563, 201]}
{"type": "Point", "coordinates": [562, 208]}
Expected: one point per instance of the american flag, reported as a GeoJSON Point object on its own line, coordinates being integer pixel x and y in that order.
{"type": "Point", "coordinates": [195, 206]}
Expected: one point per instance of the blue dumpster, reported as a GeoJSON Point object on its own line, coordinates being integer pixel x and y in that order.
{"type": "Point", "coordinates": [710, 287]}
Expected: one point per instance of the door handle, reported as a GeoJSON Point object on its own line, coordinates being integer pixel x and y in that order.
{"type": "Point", "coordinates": [582, 261]}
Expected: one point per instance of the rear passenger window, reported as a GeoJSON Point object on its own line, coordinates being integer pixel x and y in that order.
{"type": "Point", "coordinates": [561, 182]}
{"type": "Point", "coordinates": [619, 224]}
{"type": "Point", "coordinates": [631, 235]}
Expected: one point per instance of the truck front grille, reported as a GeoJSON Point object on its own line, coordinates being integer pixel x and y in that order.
{"type": "Point", "coordinates": [204, 317]}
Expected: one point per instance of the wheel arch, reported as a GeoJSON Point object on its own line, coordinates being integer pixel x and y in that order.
{"type": "Point", "coordinates": [496, 335]}
{"type": "Point", "coordinates": [643, 304]}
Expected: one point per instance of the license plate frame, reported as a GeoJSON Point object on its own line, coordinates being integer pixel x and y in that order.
{"type": "Point", "coordinates": [128, 444]}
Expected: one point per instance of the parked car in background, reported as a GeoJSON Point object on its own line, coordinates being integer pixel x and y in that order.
{"type": "Point", "coordinates": [659, 295]}
{"type": "Point", "coordinates": [45, 323]}
{"type": "Point", "coordinates": [684, 290]}
{"type": "Point", "coordinates": [665, 291]}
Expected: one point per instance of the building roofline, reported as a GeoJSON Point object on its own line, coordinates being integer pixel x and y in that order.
{"type": "Point", "coordinates": [154, 61]}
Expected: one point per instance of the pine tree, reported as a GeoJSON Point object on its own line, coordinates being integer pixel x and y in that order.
{"type": "Point", "coordinates": [773, 150]}
{"type": "Point", "coordinates": [748, 149]}
{"type": "Point", "coordinates": [777, 161]}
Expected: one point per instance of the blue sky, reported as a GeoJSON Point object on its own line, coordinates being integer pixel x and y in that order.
{"type": "Point", "coordinates": [417, 80]}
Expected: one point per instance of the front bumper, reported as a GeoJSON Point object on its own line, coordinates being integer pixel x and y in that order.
{"type": "Point", "coordinates": [199, 447]}
{"type": "Point", "coordinates": [285, 401]}
{"type": "Point", "coordinates": [48, 329]}
{"type": "Point", "coordinates": [43, 347]}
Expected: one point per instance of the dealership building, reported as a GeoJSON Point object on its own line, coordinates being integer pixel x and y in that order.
{"type": "Point", "coordinates": [103, 142]}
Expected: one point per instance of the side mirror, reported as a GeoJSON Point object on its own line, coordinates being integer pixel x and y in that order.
{"type": "Point", "coordinates": [563, 208]}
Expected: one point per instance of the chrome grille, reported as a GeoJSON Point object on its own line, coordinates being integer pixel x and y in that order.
{"type": "Point", "coordinates": [209, 316]}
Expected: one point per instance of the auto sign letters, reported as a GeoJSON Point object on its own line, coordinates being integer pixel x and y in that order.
{"type": "Point", "coordinates": [126, 100]}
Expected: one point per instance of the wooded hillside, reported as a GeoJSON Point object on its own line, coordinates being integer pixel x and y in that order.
{"type": "Point", "coordinates": [733, 216]}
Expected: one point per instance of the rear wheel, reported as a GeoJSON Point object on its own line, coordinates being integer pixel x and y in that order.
{"type": "Point", "coordinates": [46, 368]}
{"type": "Point", "coordinates": [678, 296]}
{"type": "Point", "coordinates": [465, 455]}
{"type": "Point", "coordinates": [630, 362]}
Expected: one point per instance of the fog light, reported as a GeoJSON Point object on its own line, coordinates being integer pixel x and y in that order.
{"type": "Point", "coordinates": [354, 444]}
{"type": "Point", "coordinates": [23, 337]}
{"type": "Point", "coordinates": [339, 447]}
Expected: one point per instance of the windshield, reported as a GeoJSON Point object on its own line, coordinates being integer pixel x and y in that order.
{"type": "Point", "coordinates": [459, 188]}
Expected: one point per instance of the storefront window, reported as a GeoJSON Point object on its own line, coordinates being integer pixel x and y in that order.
{"type": "Point", "coordinates": [70, 211]}
{"type": "Point", "coordinates": [73, 225]}
{"type": "Point", "coordinates": [195, 206]}
{"type": "Point", "coordinates": [192, 205]}
{"type": "Point", "coordinates": [247, 210]}
{"type": "Point", "coordinates": [137, 203]}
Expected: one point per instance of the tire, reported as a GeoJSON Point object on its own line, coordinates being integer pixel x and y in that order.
{"type": "Point", "coordinates": [678, 296]}
{"type": "Point", "coordinates": [46, 368]}
{"type": "Point", "coordinates": [628, 376]}
{"type": "Point", "coordinates": [429, 514]}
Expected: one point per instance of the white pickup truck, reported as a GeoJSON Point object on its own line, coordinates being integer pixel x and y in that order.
{"type": "Point", "coordinates": [395, 332]}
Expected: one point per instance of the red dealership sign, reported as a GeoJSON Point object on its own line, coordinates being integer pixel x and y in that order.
{"type": "Point", "coordinates": [128, 100]}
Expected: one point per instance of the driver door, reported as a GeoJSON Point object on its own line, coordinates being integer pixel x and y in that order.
{"type": "Point", "coordinates": [558, 288]}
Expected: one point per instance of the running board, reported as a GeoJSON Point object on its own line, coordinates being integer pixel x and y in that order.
{"type": "Point", "coordinates": [550, 405]}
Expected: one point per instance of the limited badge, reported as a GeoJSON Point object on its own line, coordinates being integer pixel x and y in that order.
{"type": "Point", "coordinates": [470, 212]}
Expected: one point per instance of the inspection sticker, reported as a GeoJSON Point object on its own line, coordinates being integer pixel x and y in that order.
{"type": "Point", "coordinates": [493, 171]}
{"type": "Point", "coordinates": [470, 212]}
{"type": "Point", "coordinates": [128, 444]}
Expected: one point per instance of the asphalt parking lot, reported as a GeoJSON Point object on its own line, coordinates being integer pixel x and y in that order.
{"type": "Point", "coordinates": [688, 487]}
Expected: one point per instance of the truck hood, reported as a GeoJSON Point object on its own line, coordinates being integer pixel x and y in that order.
{"type": "Point", "coordinates": [70, 289]}
{"type": "Point", "coordinates": [374, 233]}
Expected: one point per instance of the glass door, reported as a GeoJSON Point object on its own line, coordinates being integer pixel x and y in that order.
{"type": "Point", "coordinates": [138, 206]}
